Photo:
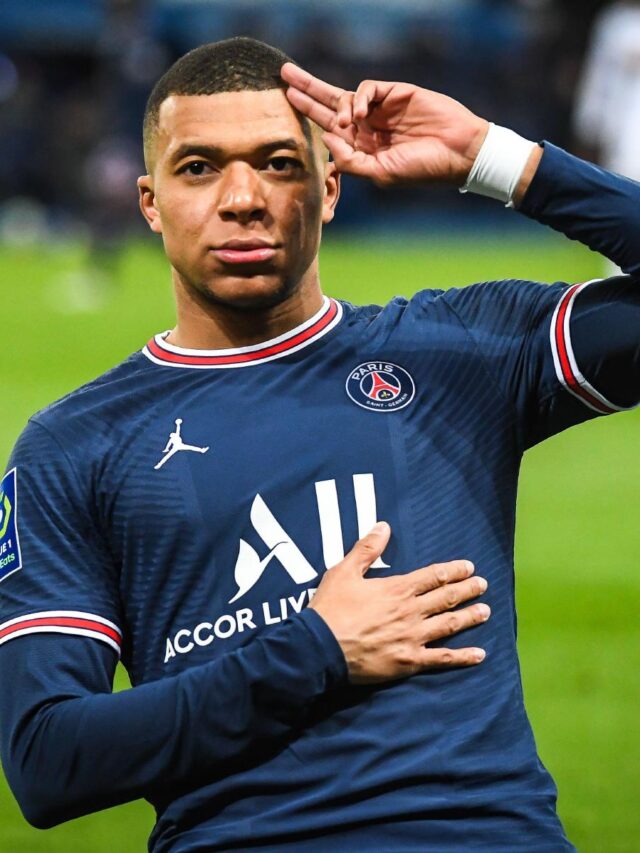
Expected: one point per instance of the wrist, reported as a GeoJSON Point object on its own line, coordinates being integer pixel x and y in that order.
{"type": "Point", "coordinates": [527, 176]}
{"type": "Point", "coordinates": [503, 167]}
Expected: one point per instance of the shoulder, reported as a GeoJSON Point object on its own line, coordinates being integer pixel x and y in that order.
{"type": "Point", "coordinates": [467, 303]}
{"type": "Point", "coordinates": [435, 298]}
{"type": "Point", "coordinates": [396, 306]}
{"type": "Point", "coordinates": [400, 309]}
{"type": "Point", "coordinates": [423, 323]}
{"type": "Point", "coordinates": [99, 391]}
{"type": "Point", "coordinates": [511, 301]}
{"type": "Point", "coordinates": [82, 416]}
{"type": "Point", "coordinates": [459, 317]}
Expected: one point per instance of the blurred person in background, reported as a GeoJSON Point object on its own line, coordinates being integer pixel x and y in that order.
{"type": "Point", "coordinates": [76, 100]}
{"type": "Point", "coordinates": [97, 123]}
{"type": "Point", "coordinates": [607, 109]}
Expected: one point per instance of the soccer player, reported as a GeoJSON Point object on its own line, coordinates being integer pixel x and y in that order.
{"type": "Point", "coordinates": [182, 509]}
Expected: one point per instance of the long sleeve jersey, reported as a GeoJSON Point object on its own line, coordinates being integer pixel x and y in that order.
{"type": "Point", "coordinates": [180, 510]}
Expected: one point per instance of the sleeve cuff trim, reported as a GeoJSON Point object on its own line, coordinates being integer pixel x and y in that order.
{"type": "Point", "coordinates": [63, 622]}
{"type": "Point", "coordinates": [567, 369]}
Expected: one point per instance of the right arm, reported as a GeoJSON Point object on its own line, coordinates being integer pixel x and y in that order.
{"type": "Point", "coordinates": [70, 746]}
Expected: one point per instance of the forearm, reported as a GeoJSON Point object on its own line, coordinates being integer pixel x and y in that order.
{"type": "Point", "coordinates": [600, 329]}
{"type": "Point", "coordinates": [70, 756]}
{"type": "Point", "coordinates": [586, 203]}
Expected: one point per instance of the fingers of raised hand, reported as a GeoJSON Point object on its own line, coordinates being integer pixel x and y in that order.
{"type": "Point", "coordinates": [315, 88]}
{"type": "Point", "coordinates": [369, 92]}
{"type": "Point", "coordinates": [344, 109]}
{"type": "Point", "coordinates": [346, 158]}
{"type": "Point", "coordinates": [450, 595]}
{"type": "Point", "coordinates": [321, 114]}
{"type": "Point", "coordinates": [354, 107]}
{"type": "Point", "coordinates": [439, 574]}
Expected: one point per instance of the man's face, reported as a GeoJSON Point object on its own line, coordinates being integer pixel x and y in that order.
{"type": "Point", "coordinates": [239, 191]}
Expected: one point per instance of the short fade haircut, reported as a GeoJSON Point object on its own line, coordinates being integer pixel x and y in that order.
{"type": "Point", "coordinates": [233, 65]}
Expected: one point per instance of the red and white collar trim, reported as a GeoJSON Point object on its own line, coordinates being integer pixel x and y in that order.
{"type": "Point", "coordinates": [160, 352]}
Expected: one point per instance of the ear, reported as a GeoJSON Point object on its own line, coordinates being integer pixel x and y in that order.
{"type": "Point", "coordinates": [147, 203]}
{"type": "Point", "coordinates": [331, 191]}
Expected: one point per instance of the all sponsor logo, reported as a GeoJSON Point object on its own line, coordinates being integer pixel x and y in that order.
{"type": "Point", "coordinates": [10, 560]}
{"type": "Point", "coordinates": [380, 386]}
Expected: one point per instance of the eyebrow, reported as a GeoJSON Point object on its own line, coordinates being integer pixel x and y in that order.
{"type": "Point", "coordinates": [215, 152]}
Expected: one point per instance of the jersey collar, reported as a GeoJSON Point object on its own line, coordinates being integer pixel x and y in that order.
{"type": "Point", "coordinates": [160, 352]}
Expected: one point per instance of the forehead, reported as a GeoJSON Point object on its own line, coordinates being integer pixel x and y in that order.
{"type": "Point", "coordinates": [239, 120]}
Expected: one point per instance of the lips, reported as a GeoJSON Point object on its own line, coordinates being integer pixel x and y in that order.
{"type": "Point", "coordinates": [245, 251]}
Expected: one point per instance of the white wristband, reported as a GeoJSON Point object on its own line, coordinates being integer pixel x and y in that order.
{"type": "Point", "coordinates": [499, 165]}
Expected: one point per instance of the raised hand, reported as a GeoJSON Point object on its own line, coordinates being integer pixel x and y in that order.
{"type": "Point", "coordinates": [384, 625]}
{"type": "Point", "coordinates": [390, 132]}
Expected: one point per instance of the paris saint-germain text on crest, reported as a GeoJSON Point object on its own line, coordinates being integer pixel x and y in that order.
{"type": "Point", "coordinates": [380, 386]}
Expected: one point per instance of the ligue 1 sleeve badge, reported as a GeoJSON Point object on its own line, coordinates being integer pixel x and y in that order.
{"type": "Point", "coordinates": [380, 386]}
{"type": "Point", "coordinates": [10, 560]}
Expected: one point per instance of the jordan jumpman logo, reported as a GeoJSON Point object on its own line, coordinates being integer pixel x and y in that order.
{"type": "Point", "coordinates": [175, 444]}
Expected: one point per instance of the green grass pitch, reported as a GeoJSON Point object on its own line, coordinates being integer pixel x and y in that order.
{"type": "Point", "coordinates": [578, 569]}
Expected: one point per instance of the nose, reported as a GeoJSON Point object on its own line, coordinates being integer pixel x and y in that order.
{"type": "Point", "coordinates": [241, 195]}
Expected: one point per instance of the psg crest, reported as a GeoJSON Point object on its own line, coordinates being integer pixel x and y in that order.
{"type": "Point", "coordinates": [380, 386]}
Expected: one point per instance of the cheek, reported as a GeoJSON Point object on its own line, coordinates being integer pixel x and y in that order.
{"type": "Point", "coordinates": [183, 219]}
{"type": "Point", "coordinates": [303, 213]}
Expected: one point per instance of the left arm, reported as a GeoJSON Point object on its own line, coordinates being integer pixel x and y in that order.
{"type": "Point", "coordinates": [397, 133]}
{"type": "Point", "coordinates": [586, 203]}
{"type": "Point", "coordinates": [596, 330]}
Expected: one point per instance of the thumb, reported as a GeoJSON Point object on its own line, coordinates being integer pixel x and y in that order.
{"type": "Point", "coordinates": [367, 550]}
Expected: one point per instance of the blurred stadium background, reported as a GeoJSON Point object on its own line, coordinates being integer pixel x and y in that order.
{"type": "Point", "coordinates": [82, 284]}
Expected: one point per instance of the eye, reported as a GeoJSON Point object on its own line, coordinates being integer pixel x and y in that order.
{"type": "Point", "coordinates": [195, 168]}
{"type": "Point", "coordinates": [283, 165]}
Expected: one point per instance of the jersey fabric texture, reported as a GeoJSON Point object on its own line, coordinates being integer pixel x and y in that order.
{"type": "Point", "coordinates": [180, 511]}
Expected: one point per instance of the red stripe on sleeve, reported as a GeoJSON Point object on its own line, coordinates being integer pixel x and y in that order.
{"type": "Point", "coordinates": [63, 622]}
{"type": "Point", "coordinates": [563, 356]}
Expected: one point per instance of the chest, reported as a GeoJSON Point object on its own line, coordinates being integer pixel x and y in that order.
{"type": "Point", "coordinates": [237, 491]}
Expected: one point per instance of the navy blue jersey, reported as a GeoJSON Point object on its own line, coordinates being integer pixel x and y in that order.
{"type": "Point", "coordinates": [180, 510]}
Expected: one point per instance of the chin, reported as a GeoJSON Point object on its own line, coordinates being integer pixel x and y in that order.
{"type": "Point", "coordinates": [249, 294]}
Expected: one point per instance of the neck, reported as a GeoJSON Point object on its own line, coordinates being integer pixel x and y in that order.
{"type": "Point", "coordinates": [202, 324]}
